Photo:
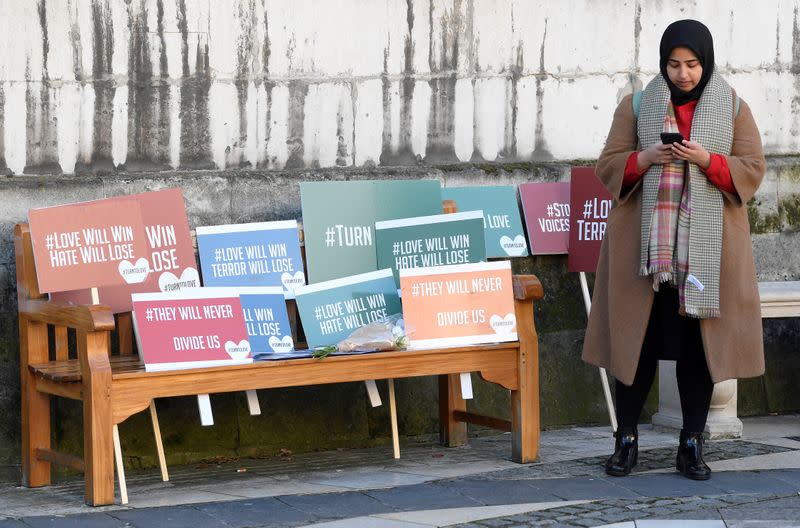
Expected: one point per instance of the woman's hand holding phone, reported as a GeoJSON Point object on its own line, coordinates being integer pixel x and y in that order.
{"type": "Point", "coordinates": [655, 154]}
{"type": "Point", "coordinates": [693, 152]}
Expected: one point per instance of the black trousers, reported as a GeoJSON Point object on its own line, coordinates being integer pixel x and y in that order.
{"type": "Point", "coordinates": [674, 337]}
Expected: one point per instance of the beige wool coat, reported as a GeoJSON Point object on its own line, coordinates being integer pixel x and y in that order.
{"type": "Point", "coordinates": [622, 299]}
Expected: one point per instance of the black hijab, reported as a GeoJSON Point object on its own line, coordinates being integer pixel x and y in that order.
{"type": "Point", "coordinates": [695, 36]}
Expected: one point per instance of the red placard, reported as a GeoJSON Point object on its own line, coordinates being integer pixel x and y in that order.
{"type": "Point", "coordinates": [169, 252]}
{"type": "Point", "coordinates": [590, 204]}
{"type": "Point", "coordinates": [203, 327]}
{"type": "Point", "coordinates": [546, 209]}
{"type": "Point", "coordinates": [88, 244]}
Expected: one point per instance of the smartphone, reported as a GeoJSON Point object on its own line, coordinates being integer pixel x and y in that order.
{"type": "Point", "coordinates": [668, 138]}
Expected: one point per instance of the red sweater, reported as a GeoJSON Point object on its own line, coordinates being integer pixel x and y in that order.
{"type": "Point", "coordinates": [718, 172]}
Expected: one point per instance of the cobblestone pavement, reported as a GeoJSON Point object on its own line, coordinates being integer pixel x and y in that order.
{"type": "Point", "coordinates": [756, 483]}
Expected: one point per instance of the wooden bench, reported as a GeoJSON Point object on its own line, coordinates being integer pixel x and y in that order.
{"type": "Point", "coordinates": [113, 385]}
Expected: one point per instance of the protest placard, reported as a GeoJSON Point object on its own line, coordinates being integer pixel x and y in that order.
{"type": "Point", "coordinates": [266, 319]}
{"type": "Point", "coordinates": [459, 305]}
{"type": "Point", "coordinates": [546, 209]}
{"type": "Point", "coordinates": [425, 241]}
{"type": "Point", "coordinates": [339, 220]}
{"type": "Point", "coordinates": [255, 254]}
{"type": "Point", "coordinates": [88, 244]}
{"type": "Point", "coordinates": [169, 254]}
{"type": "Point", "coordinates": [501, 221]}
{"type": "Point", "coordinates": [190, 329]}
{"type": "Point", "coordinates": [590, 204]}
{"type": "Point", "coordinates": [331, 310]}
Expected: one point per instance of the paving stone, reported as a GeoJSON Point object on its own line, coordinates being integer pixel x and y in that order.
{"type": "Point", "coordinates": [781, 509]}
{"type": "Point", "coordinates": [174, 517]}
{"type": "Point", "coordinates": [583, 488]}
{"type": "Point", "coordinates": [12, 523]}
{"type": "Point", "coordinates": [422, 497]}
{"type": "Point", "coordinates": [792, 476]}
{"type": "Point", "coordinates": [672, 485]}
{"type": "Point", "coordinates": [336, 505]}
{"type": "Point", "coordinates": [759, 483]}
{"type": "Point", "coordinates": [98, 520]}
{"type": "Point", "coordinates": [492, 493]}
{"type": "Point", "coordinates": [256, 512]}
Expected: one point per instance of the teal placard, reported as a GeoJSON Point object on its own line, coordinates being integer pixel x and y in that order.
{"type": "Point", "coordinates": [331, 310]}
{"type": "Point", "coordinates": [502, 223]}
{"type": "Point", "coordinates": [339, 220]}
{"type": "Point", "coordinates": [427, 241]}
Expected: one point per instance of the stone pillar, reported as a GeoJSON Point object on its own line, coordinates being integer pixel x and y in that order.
{"type": "Point", "coordinates": [722, 419]}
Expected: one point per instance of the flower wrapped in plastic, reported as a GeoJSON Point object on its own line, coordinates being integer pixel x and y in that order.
{"type": "Point", "coordinates": [378, 336]}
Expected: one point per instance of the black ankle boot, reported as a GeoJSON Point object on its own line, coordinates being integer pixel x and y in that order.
{"type": "Point", "coordinates": [626, 453]}
{"type": "Point", "coordinates": [690, 457]}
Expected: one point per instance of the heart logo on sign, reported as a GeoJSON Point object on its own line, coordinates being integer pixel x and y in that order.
{"type": "Point", "coordinates": [503, 325]}
{"type": "Point", "coordinates": [290, 282]}
{"type": "Point", "coordinates": [238, 350]}
{"type": "Point", "coordinates": [168, 282]}
{"type": "Point", "coordinates": [134, 273]}
{"type": "Point", "coordinates": [280, 346]}
{"type": "Point", "coordinates": [513, 247]}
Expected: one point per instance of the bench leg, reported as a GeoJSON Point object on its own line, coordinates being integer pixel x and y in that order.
{"type": "Point", "coordinates": [451, 431]}
{"type": "Point", "coordinates": [98, 445]}
{"type": "Point", "coordinates": [35, 405]}
{"type": "Point", "coordinates": [525, 425]}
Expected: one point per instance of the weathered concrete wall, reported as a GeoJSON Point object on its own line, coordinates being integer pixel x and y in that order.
{"type": "Point", "coordinates": [237, 102]}
{"type": "Point", "coordinates": [307, 83]}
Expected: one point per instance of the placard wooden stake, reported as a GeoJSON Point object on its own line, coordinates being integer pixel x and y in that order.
{"type": "Point", "coordinates": [587, 301]}
{"type": "Point", "coordinates": [252, 403]}
{"type": "Point", "coordinates": [393, 419]}
{"type": "Point", "coordinates": [162, 462]}
{"type": "Point", "coordinates": [466, 385]}
{"type": "Point", "coordinates": [204, 404]}
{"type": "Point", "coordinates": [123, 488]}
{"type": "Point", "coordinates": [372, 392]}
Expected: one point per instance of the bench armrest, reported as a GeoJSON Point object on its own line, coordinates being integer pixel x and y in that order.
{"type": "Point", "coordinates": [81, 317]}
{"type": "Point", "coordinates": [527, 288]}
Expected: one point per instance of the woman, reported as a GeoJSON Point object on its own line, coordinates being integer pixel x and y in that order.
{"type": "Point", "coordinates": [676, 278]}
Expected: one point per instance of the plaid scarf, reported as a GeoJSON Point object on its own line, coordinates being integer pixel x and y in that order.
{"type": "Point", "coordinates": [669, 228]}
{"type": "Point", "coordinates": [681, 240]}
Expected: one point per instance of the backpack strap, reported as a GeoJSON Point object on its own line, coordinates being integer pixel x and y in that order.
{"type": "Point", "coordinates": [637, 101]}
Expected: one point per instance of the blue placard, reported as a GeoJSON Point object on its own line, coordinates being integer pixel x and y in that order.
{"type": "Point", "coordinates": [266, 320]}
{"type": "Point", "coordinates": [258, 254]}
{"type": "Point", "coordinates": [330, 311]}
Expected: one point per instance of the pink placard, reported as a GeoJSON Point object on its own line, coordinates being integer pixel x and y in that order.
{"type": "Point", "coordinates": [88, 244]}
{"type": "Point", "coordinates": [169, 253]}
{"type": "Point", "coordinates": [201, 328]}
{"type": "Point", "coordinates": [546, 210]}
{"type": "Point", "coordinates": [590, 204]}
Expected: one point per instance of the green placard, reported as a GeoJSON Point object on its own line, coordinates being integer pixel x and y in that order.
{"type": "Point", "coordinates": [502, 223]}
{"type": "Point", "coordinates": [429, 241]}
{"type": "Point", "coordinates": [332, 310]}
{"type": "Point", "coordinates": [339, 220]}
